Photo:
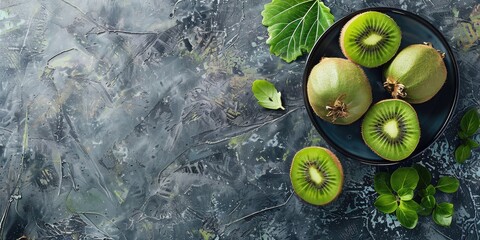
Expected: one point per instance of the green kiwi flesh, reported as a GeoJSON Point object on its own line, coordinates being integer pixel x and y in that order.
{"type": "Point", "coordinates": [338, 91]}
{"type": "Point", "coordinates": [316, 175]}
{"type": "Point", "coordinates": [391, 129]}
{"type": "Point", "coordinates": [370, 39]}
{"type": "Point", "coordinates": [416, 74]}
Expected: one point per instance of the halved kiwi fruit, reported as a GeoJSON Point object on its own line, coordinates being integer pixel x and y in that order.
{"type": "Point", "coordinates": [316, 175]}
{"type": "Point", "coordinates": [391, 129]}
{"type": "Point", "coordinates": [370, 39]}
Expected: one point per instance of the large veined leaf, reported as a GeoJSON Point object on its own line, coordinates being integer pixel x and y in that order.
{"type": "Point", "coordinates": [295, 25]}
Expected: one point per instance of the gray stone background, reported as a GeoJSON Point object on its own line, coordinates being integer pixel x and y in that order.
{"type": "Point", "coordinates": [135, 120]}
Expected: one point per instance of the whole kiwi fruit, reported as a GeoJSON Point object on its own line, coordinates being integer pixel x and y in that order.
{"type": "Point", "coordinates": [416, 74]}
{"type": "Point", "coordinates": [391, 129]}
{"type": "Point", "coordinates": [316, 175]}
{"type": "Point", "coordinates": [338, 91]}
{"type": "Point", "coordinates": [370, 39]}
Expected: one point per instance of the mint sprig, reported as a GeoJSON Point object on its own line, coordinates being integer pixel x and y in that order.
{"type": "Point", "coordinates": [408, 193]}
{"type": "Point", "coordinates": [469, 125]}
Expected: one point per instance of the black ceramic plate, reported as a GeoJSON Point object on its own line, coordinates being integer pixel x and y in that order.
{"type": "Point", "coordinates": [433, 114]}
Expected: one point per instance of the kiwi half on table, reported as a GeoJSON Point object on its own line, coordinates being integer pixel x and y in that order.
{"type": "Point", "coordinates": [391, 129]}
{"type": "Point", "coordinates": [370, 39]}
{"type": "Point", "coordinates": [316, 175]}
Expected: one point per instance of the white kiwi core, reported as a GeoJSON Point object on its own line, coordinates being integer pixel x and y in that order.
{"type": "Point", "coordinates": [372, 39]}
{"type": "Point", "coordinates": [391, 128]}
{"type": "Point", "coordinates": [315, 175]}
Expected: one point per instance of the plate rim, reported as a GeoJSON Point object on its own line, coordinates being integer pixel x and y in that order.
{"type": "Point", "coordinates": [417, 18]}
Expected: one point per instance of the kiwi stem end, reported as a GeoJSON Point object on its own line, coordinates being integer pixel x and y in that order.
{"type": "Point", "coordinates": [442, 54]}
{"type": "Point", "coordinates": [338, 109]}
{"type": "Point", "coordinates": [396, 89]}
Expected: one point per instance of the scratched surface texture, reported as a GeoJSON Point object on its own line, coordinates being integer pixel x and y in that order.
{"type": "Point", "coordinates": [135, 120]}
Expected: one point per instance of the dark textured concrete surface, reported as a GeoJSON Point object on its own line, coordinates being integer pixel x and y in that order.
{"type": "Point", "coordinates": [134, 120]}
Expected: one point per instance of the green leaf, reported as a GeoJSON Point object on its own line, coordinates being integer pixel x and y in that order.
{"type": "Point", "coordinates": [381, 183]}
{"type": "Point", "coordinates": [295, 25]}
{"type": "Point", "coordinates": [462, 135]}
{"type": "Point", "coordinates": [470, 122]}
{"type": "Point", "coordinates": [448, 184]}
{"type": "Point", "coordinates": [422, 193]}
{"type": "Point", "coordinates": [267, 95]}
{"type": "Point", "coordinates": [410, 205]}
{"type": "Point", "coordinates": [462, 153]}
{"type": "Point", "coordinates": [442, 214]}
{"type": "Point", "coordinates": [444, 208]}
{"type": "Point", "coordinates": [424, 176]}
{"type": "Point", "coordinates": [406, 177]}
{"type": "Point", "coordinates": [472, 143]}
{"type": "Point", "coordinates": [428, 202]}
{"type": "Point", "coordinates": [386, 203]}
{"type": "Point", "coordinates": [425, 211]}
{"type": "Point", "coordinates": [430, 190]}
{"type": "Point", "coordinates": [407, 217]}
{"type": "Point", "coordinates": [405, 194]}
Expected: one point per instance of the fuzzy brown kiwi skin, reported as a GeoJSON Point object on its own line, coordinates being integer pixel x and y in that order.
{"type": "Point", "coordinates": [361, 130]}
{"type": "Point", "coordinates": [337, 163]}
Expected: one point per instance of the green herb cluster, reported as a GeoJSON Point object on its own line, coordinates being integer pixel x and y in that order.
{"type": "Point", "coordinates": [468, 127]}
{"type": "Point", "coordinates": [408, 192]}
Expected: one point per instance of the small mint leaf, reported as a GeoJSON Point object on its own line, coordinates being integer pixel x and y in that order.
{"type": "Point", "coordinates": [462, 135]}
{"type": "Point", "coordinates": [267, 95]}
{"type": "Point", "coordinates": [470, 122]}
{"type": "Point", "coordinates": [381, 183]}
{"type": "Point", "coordinates": [428, 202]}
{"type": "Point", "coordinates": [448, 184]}
{"type": "Point", "coordinates": [424, 175]}
{"type": "Point", "coordinates": [405, 194]}
{"type": "Point", "coordinates": [408, 218]}
{"type": "Point", "coordinates": [472, 143]}
{"type": "Point", "coordinates": [410, 205]}
{"type": "Point", "coordinates": [386, 203]}
{"type": "Point", "coordinates": [442, 214]}
{"type": "Point", "coordinates": [422, 192]}
{"type": "Point", "coordinates": [462, 153]}
{"type": "Point", "coordinates": [425, 211]}
{"type": "Point", "coordinates": [405, 177]}
{"type": "Point", "coordinates": [430, 190]}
